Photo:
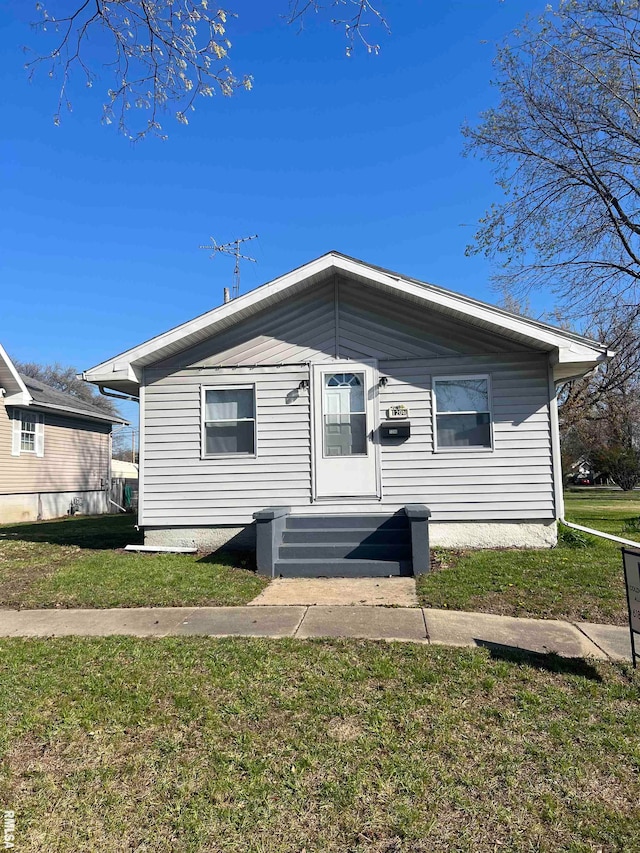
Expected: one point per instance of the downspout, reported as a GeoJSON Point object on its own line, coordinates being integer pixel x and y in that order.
{"type": "Point", "coordinates": [599, 533]}
{"type": "Point", "coordinates": [557, 475]}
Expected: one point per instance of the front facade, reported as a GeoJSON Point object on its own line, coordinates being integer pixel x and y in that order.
{"type": "Point", "coordinates": [342, 388]}
{"type": "Point", "coordinates": [55, 451]}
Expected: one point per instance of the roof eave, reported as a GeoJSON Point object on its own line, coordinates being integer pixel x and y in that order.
{"type": "Point", "coordinates": [126, 368]}
{"type": "Point", "coordinates": [78, 413]}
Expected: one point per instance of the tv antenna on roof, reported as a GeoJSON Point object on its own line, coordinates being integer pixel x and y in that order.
{"type": "Point", "coordinates": [232, 248]}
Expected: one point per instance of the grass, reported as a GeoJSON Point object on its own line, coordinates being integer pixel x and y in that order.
{"type": "Point", "coordinates": [267, 746]}
{"type": "Point", "coordinates": [567, 582]}
{"type": "Point", "coordinates": [79, 562]}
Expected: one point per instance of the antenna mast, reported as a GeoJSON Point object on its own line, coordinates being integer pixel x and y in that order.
{"type": "Point", "coordinates": [232, 248]}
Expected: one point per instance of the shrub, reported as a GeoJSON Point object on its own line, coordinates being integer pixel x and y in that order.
{"type": "Point", "coordinates": [573, 538]}
{"type": "Point", "coordinates": [621, 464]}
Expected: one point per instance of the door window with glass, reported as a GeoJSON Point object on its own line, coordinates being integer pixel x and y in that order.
{"type": "Point", "coordinates": [344, 414]}
{"type": "Point", "coordinates": [229, 423]}
{"type": "Point", "coordinates": [462, 412]}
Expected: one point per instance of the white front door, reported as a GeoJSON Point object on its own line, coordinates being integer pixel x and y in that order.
{"type": "Point", "coordinates": [344, 400]}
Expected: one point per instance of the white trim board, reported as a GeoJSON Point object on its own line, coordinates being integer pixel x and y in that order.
{"type": "Point", "coordinates": [570, 353]}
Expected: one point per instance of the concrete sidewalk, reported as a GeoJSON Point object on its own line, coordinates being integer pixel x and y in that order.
{"type": "Point", "coordinates": [406, 624]}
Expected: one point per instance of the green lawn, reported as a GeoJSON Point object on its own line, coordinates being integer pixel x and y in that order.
{"type": "Point", "coordinates": [267, 746]}
{"type": "Point", "coordinates": [79, 562]}
{"type": "Point", "coordinates": [579, 580]}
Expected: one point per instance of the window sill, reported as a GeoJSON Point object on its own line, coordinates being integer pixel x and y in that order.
{"type": "Point", "coordinates": [456, 450]}
{"type": "Point", "coordinates": [230, 456]}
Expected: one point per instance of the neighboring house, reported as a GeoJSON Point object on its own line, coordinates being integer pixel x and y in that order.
{"type": "Point", "coordinates": [55, 450]}
{"type": "Point", "coordinates": [122, 470]}
{"type": "Point", "coordinates": [343, 389]}
{"type": "Point", "coordinates": [124, 484]}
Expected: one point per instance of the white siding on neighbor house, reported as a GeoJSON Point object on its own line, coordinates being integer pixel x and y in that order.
{"type": "Point", "coordinates": [514, 481]}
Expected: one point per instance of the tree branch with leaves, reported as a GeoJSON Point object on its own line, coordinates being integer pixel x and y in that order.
{"type": "Point", "coordinates": [162, 55]}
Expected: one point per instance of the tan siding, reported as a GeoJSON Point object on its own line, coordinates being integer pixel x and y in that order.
{"type": "Point", "coordinates": [76, 457]}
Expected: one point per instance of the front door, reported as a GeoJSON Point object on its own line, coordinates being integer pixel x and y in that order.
{"type": "Point", "coordinates": [344, 400]}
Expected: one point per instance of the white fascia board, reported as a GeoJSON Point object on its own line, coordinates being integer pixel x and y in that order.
{"type": "Point", "coordinates": [108, 369]}
{"type": "Point", "coordinates": [478, 311]}
{"type": "Point", "coordinates": [126, 365]}
{"type": "Point", "coordinates": [21, 399]}
{"type": "Point", "coordinates": [114, 371]}
{"type": "Point", "coordinates": [16, 377]}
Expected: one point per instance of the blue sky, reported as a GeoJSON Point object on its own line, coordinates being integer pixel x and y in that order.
{"type": "Point", "coordinates": [99, 238]}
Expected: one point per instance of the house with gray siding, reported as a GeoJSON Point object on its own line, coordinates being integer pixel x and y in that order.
{"type": "Point", "coordinates": [334, 397]}
{"type": "Point", "coordinates": [55, 450]}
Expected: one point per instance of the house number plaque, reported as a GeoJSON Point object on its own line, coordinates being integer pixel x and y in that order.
{"type": "Point", "coordinates": [399, 412]}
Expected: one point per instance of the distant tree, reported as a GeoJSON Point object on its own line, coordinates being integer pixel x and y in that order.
{"type": "Point", "coordinates": [64, 378]}
{"type": "Point", "coordinates": [600, 414]}
{"type": "Point", "coordinates": [621, 464]}
{"type": "Point", "coordinates": [125, 444]}
{"type": "Point", "coordinates": [564, 140]}
{"type": "Point", "coordinates": [162, 54]}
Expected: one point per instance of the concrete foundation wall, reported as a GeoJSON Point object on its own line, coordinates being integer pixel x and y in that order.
{"type": "Point", "coordinates": [488, 534]}
{"type": "Point", "coordinates": [494, 534]}
{"type": "Point", "coordinates": [39, 506]}
{"type": "Point", "coordinates": [203, 538]}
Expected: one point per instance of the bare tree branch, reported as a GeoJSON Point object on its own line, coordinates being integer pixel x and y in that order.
{"type": "Point", "coordinates": [160, 55]}
{"type": "Point", "coordinates": [564, 141]}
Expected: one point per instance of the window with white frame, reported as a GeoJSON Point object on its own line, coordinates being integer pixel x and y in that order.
{"type": "Point", "coordinates": [28, 433]}
{"type": "Point", "coordinates": [462, 409]}
{"type": "Point", "coordinates": [229, 420]}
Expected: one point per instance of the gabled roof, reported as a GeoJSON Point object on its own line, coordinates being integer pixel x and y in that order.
{"type": "Point", "coordinates": [24, 391]}
{"type": "Point", "coordinates": [571, 354]}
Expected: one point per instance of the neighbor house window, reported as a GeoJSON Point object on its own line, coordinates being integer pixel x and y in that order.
{"type": "Point", "coordinates": [28, 434]}
{"type": "Point", "coordinates": [462, 410]}
{"type": "Point", "coordinates": [229, 422]}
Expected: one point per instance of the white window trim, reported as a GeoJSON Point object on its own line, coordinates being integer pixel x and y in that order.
{"type": "Point", "coordinates": [435, 413]}
{"type": "Point", "coordinates": [26, 417]}
{"type": "Point", "coordinates": [37, 418]}
{"type": "Point", "coordinates": [203, 431]}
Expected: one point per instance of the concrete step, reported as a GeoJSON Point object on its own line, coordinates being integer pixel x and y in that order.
{"type": "Point", "coordinates": [341, 568]}
{"type": "Point", "coordinates": [345, 550]}
{"type": "Point", "coordinates": [333, 535]}
{"type": "Point", "coordinates": [353, 522]}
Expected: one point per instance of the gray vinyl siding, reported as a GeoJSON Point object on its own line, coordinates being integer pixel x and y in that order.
{"type": "Point", "coordinates": [182, 488]}
{"type": "Point", "coordinates": [339, 319]}
{"type": "Point", "coordinates": [346, 320]}
{"type": "Point", "coordinates": [511, 482]}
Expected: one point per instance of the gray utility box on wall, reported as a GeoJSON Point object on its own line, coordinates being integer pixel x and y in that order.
{"type": "Point", "coordinates": [390, 430]}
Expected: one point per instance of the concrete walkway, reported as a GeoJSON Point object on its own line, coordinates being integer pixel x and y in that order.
{"type": "Point", "coordinates": [407, 624]}
{"type": "Point", "coordinates": [386, 592]}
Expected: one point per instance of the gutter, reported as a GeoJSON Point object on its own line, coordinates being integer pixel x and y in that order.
{"type": "Point", "coordinates": [599, 533]}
